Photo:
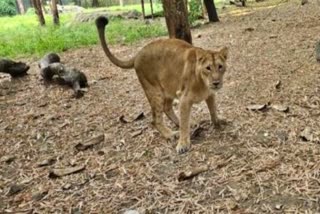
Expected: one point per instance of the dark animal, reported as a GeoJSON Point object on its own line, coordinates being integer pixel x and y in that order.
{"type": "Point", "coordinates": [52, 71]}
{"type": "Point", "coordinates": [15, 69]}
{"type": "Point", "coordinates": [68, 76]}
{"type": "Point", "coordinates": [49, 58]}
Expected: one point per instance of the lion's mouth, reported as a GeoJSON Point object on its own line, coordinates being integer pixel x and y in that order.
{"type": "Point", "coordinates": [216, 87]}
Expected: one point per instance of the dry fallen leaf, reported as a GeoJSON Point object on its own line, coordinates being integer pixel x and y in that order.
{"type": "Point", "coordinates": [55, 173]}
{"type": "Point", "coordinates": [47, 162]}
{"type": "Point", "coordinates": [249, 29]}
{"type": "Point", "coordinates": [14, 189]}
{"type": "Point", "coordinates": [282, 108]}
{"type": "Point", "coordinates": [306, 134]}
{"type": "Point", "coordinates": [39, 195]}
{"type": "Point", "coordinates": [278, 84]}
{"type": "Point", "coordinates": [278, 206]}
{"type": "Point", "coordinates": [7, 159]}
{"type": "Point", "coordinates": [257, 107]}
{"type": "Point", "coordinates": [136, 133]}
{"type": "Point", "coordinates": [25, 211]}
{"type": "Point", "coordinates": [90, 143]}
{"type": "Point", "coordinates": [132, 118]}
{"type": "Point", "coordinates": [197, 132]}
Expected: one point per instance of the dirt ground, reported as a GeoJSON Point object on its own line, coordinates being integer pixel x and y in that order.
{"type": "Point", "coordinates": [265, 161]}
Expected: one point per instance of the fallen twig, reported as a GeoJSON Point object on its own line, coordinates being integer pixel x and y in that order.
{"type": "Point", "coordinates": [190, 174]}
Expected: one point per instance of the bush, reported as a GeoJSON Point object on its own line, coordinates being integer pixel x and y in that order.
{"type": "Point", "coordinates": [7, 8]}
{"type": "Point", "coordinates": [195, 10]}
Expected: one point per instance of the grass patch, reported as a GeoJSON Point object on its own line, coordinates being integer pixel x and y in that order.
{"type": "Point", "coordinates": [21, 36]}
{"type": "Point", "coordinates": [156, 8]}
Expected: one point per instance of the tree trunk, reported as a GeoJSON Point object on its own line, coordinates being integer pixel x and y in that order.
{"type": "Point", "coordinates": [143, 11]}
{"type": "Point", "coordinates": [176, 15]}
{"type": "Point", "coordinates": [55, 12]}
{"type": "Point", "coordinates": [44, 9]}
{"type": "Point", "coordinates": [20, 6]}
{"type": "Point", "coordinates": [211, 9]}
{"type": "Point", "coordinates": [151, 7]}
{"type": "Point", "coordinates": [37, 6]}
{"type": "Point", "coordinates": [95, 3]}
{"type": "Point", "coordinates": [121, 3]}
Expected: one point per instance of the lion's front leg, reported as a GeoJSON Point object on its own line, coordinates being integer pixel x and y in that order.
{"type": "Point", "coordinates": [184, 140]}
{"type": "Point", "coordinates": [213, 110]}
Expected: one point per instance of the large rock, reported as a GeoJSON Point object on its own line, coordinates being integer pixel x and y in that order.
{"type": "Point", "coordinates": [69, 9]}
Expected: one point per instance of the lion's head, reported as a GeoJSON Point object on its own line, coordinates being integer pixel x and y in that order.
{"type": "Point", "coordinates": [212, 65]}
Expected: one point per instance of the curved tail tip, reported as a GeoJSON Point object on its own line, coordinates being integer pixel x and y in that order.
{"type": "Point", "coordinates": [101, 21]}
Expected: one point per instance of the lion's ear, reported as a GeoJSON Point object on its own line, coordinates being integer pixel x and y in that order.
{"type": "Point", "coordinates": [224, 52]}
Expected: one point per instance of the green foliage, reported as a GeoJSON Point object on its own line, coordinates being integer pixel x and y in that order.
{"type": "Point", "coordinates": [7, 8]}
{"type": "Point", "coordinates": [195, 10]}
{"type": "Point", "coordinates": [21, 36]}
{"type": "Point", "coordinates": [31, 11]}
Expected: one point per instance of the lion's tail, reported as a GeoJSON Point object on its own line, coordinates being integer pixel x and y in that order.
{"type": "Point", "coordinates": [101, 23]}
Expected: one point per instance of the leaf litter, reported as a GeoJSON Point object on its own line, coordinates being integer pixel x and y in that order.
{"type": "Point", "coordinates": [135, 170]}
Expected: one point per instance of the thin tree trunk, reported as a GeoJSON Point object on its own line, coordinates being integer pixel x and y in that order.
{"type": "Point", "coordinates": [121, 3]}
{"type": "Point", "coordinates": [176, 15]}
{"type": "Point", "coordinates": [95, 3]}
{"type": "Point", "coordinates": [55, 12]}
{"type": "Point", "coordinates": [143, 11]}
{"type": "Point", "coordinates": [20, 6]}
{"type": "Point", "coordinates": [211, 9]}
{"type": "Point", "coordinates": [37, 6]}
{"type": "Point", "coordinates": [151, 6]}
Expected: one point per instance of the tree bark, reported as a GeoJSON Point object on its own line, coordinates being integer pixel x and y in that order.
{"type": "Point", "coordinates": [37, 6]}
{"type": "Point", "coordinates": [20, 6]}
{"type": "Point", "coordinates": [95, 3]}
{"type": "Point", "coordinates": [143, 11]}
{"type": "Point", "coordinates": [211, 9]}
{"type": "Point", "coordinates": [176, 15]}
{"type": "Point", "coordinates": [44, 9]}
{"type": "Point", "coordinates": [55, 12]}
{"type": "Point", "coordinates": [151, 7]}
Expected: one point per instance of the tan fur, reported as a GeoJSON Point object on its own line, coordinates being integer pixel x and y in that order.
{"type": "Point", "coordinates": [169, 67]}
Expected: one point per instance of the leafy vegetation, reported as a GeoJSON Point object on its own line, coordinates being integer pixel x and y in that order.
{"type": "Point", "coordinates": [22, 36]}
{"type": "Point", "coordinates": [7, 8]}
{"type": "Point", "coordinates": [195, 10]}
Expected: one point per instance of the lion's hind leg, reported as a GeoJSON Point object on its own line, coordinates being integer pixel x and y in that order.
{"type": "Point", "coordinates": [156, 100]}
{"type": "Point", "coordinates": [170, 112]}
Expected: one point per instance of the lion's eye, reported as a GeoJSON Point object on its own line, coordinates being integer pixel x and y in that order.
{"type": "Point", "coordinates": [208, 68]}
{"type": "Point", "coordinates": [220, 67]}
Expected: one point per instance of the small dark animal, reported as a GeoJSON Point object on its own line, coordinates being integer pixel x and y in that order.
{"type": "Point", "coordinates": [49, 58]}
{"type": "Point", "coordinates": [15, 69]}
{"type": "Point", "coordinates": [51, 70]}
{"type": "Point", "coordinates": [68, 76]}
{"type": "Point", "coordinates": [318, 52]}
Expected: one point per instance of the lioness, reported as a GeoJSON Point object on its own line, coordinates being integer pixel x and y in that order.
{"type": "Point", "coordinates": [167, 66]}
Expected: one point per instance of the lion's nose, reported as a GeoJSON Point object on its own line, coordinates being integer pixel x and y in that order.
{"type": "Point", "coordinates": [216, 83]}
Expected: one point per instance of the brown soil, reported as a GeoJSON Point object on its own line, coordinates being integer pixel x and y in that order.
{"type": "Point", "coordinates": [258, 162]}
